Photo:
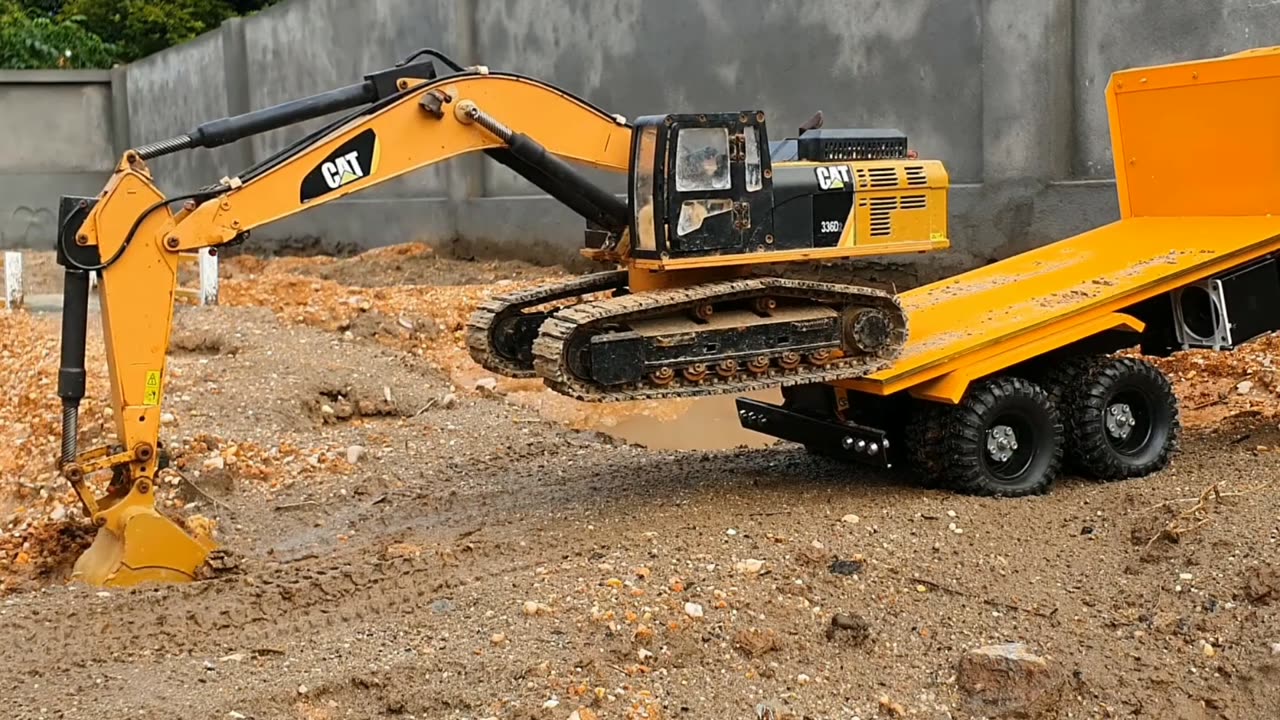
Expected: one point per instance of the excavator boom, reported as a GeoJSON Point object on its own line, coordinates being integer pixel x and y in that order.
{"type": "Point", "coordinates": [132, 237]}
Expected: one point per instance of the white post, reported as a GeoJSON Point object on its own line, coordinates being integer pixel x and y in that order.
{"type": "Point", "coordinates": [13, 295]}
{"type": "Point", "coordinates": [208, 277]}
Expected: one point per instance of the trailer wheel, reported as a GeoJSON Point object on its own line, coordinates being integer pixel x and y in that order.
{"type": "Point", "coordinates": [923, 436]}
{"type": "Point", "coordinates": [1121, 419]}
{"type": "Point", "coordinates": [1063, 377]}
{"type": "Point", "coordinates": [1004, 439]}
{"type": "Point", "coordinates": [1060, 381]}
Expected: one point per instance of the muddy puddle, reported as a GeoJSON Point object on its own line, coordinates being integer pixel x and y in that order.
{"type": "Point", "coordinates": [709, 423]}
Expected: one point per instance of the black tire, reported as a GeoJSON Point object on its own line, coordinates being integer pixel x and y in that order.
{"type": "Point", "coordinates": [922, 436]}
{"type": "Point", "coordinates": [1141, 397]}
{"type": "Point", "coordinates": [1060, 381]}
{"type": "Point", "coordinates": [1063, 377]}
{"type": "Point", "coordinates": [969, 449]}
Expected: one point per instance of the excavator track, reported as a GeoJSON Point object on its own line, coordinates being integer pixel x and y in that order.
{"type": "Point", "coordinates": [501, 330]}
{"type": "Point", "coordinates": [731, 336]}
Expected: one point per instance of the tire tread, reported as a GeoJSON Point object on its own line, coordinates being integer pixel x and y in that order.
{"type": "Point", "coordinates": [961, 453]}
{"type": "Point", "coordinates": [1088, 449]}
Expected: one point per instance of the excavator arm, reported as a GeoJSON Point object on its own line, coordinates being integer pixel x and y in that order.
{"type": "Point", "coordinates": [408, 119]}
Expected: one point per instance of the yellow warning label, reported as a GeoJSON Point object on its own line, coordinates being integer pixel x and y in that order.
{"type": "Point", "coordinates": [152, 395]}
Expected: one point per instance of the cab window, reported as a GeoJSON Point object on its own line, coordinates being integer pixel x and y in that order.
{"type": "Point", "coordinates": [702, 159]}
{"type": "Point", "coordinates": [643, 188]}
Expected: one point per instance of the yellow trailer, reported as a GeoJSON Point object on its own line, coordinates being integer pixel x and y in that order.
{"type": "Point", "coordinates": [1010, 371]}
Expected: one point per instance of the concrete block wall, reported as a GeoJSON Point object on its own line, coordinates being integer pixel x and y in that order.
{"type": "Point", "coordinates": [1008, 93]}
{"type": "Point", "coordinates": [58, 138]}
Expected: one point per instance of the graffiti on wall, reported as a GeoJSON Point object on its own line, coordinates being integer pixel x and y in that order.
{"type": "Point", "coordinates": [27, 227]}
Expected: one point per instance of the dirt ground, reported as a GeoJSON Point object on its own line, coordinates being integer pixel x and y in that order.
{"type": "Point", "coordinates": [413, 544]}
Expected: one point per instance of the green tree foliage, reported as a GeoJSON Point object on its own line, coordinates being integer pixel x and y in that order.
{"type": "Point", "coordinates": [142, 27]}
{"type": "Point", "coordinates": [104, 32]}
{"type": "Point", "coordinates": [32, 40]}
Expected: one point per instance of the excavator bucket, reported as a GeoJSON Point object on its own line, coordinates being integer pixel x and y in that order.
{"type": "Point", "coordinates": [139, 545]}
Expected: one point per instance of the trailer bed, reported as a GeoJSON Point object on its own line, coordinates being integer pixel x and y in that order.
{"type": "Point", "coordinates": [1021, 306]}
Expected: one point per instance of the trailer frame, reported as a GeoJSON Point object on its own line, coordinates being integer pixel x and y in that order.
{"type": "Point", "coordinates": [1019, 361]}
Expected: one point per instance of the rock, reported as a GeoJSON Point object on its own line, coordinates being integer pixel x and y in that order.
{"type": "Point", "coordinates": [754, 642]}
{"type": "Point", "coordinates": [59, 513]}
{"type": "Point", "coordinates": [354, 453]}
{"type": "Point", "coordinates": [1275, 648]}
{"type": "Point", "coordinates": [1262, 585]}
{"type": "Point", "coordinates": [891, 708]}
{"type": "Point", "coordinates": [1008, 680]}
{"type": "Point", "coordinates": [402, 550]}
{"type": "Point", "coordinates": [302, 689]}
{"type": "Point", "coordinates": [693, 609]}
{"type": "Point", "coordinates": [749, 567]}
{"type": "Point", "coordinates": [848, 628]}
{"type": "Point", "coordinates": [167, 418]}
{"type": "Point", "coordinates": [803, 679]}
{"type": "Point", "coordinates": [1244, 387]}
{"type": "Point", "coordinates": [215, 463]}
{"type": "Point", "coordinates": [1184, 576]}
{"type": "Point", "coordinates": [497, 638]}
{"type": "Point", "coordinates": [326, 410]}
{"type": "Point", "coordinates": [584, 713]}
{"type": "Point", "coordinates": [850, 518]}
{"type": "Point", "coordinates": [846, 567]}
{"type": "Point", "coordinates": [533, 609]}
{"type": "Point", "coordinates": [487, 386]}
{"type": "Point", "coordinates": [448, 401]}
{"type": "Point", "coordinates": [441, 606]}
{"type": "Point", "coordinates": [208, 665]}
{"type": "Point", "coordinates": [235, 715]}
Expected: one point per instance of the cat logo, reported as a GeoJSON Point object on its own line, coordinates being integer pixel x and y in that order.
{"type": "Point", "coordinates": [353, 160]}
{"type": "Point", "coordinates": [342, 170]}
{"type": "Point", "coordinates": [834, 177]}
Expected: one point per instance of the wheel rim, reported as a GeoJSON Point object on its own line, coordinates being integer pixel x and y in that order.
{"type": "Point", "coordinates": [1127, 422]}
{"type": "Point", "coordinates": [1009, 447]}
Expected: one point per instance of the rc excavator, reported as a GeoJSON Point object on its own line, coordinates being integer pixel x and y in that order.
{"type": "Point", "coordinates": [683, 310]}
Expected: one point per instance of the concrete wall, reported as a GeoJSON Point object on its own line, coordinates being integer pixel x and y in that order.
{"type": "Point", "coordinates": [171, 92]}
{"type": "Point", "coordinates": [58, 139]}
{"type": "Point", "coordinates": [1008, 93]}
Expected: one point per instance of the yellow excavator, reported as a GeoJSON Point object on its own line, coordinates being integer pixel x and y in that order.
{"type": "Point", "coordinates": [682, 312]}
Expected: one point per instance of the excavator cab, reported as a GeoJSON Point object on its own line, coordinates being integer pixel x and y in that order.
{"type": "Point", "coordinates": [711, 191]}
{"type": "Point", "coordinates": [700, 185]}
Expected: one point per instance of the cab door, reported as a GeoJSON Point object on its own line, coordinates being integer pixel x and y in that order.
{"type": "Point", "coordinates": [719, 197]}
